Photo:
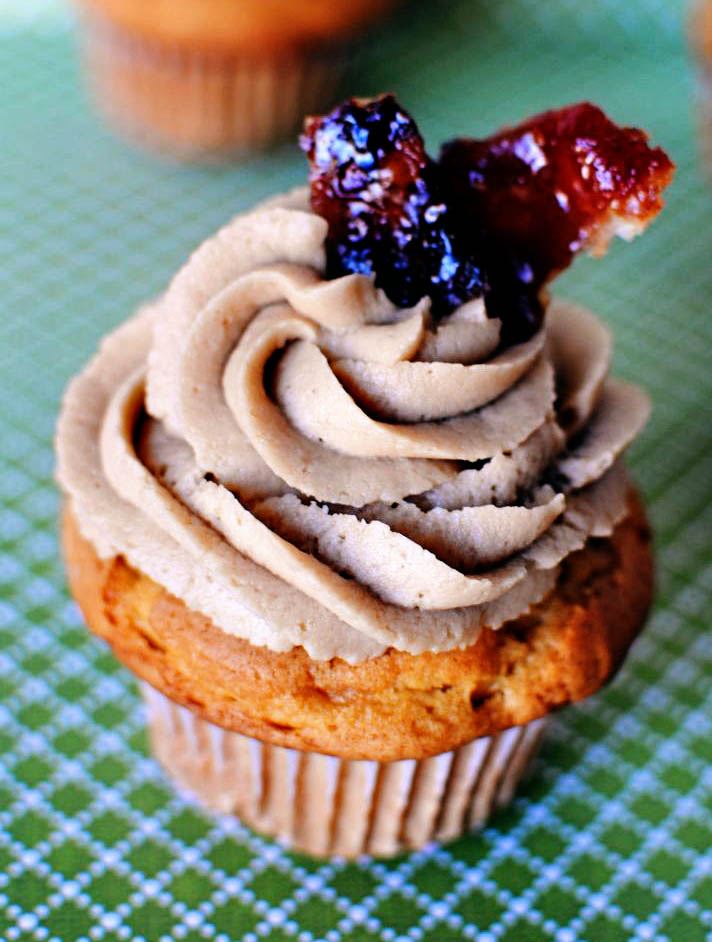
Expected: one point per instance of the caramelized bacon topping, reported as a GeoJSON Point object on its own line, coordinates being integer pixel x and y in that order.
{"type": "Point", "coordinates": [380, 193]}
{"type": "Point", "coordinates": [496, 218]}
{"type": "Point", "coordinates": [560, 182]}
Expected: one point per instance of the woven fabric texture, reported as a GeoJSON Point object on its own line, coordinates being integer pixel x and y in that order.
{"type": "Point", "coordinates": [610, 839]}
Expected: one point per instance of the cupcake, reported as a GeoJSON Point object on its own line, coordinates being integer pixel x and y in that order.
{"type": "Point", "coordinates": [213, 78]}
{"type": "Point", "coordinates": [701, 40]}
{"type": "Point", "coordinates": [349, 497]}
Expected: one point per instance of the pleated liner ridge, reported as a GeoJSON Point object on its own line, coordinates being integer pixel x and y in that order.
{"type": "Point", "coordinates": [324, 805]}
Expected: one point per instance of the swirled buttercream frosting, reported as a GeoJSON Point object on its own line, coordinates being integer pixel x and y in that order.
{"type": "Point", "coordinates": [306, 463]}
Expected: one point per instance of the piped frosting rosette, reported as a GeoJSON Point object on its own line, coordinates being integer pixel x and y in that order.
{"type": "Point", "coordinates": [307, 464]}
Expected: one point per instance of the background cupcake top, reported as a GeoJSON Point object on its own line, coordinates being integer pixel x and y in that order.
{"type": "Point", "coordinates": [250, 25]}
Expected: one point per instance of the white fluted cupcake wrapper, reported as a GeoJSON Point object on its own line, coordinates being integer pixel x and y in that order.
{"type": "Point", "coordinates": [324, 805]}
{"type": "Point", "coordinates": [198, 105]}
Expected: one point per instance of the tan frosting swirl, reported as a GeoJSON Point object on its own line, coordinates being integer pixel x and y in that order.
{"type": "Point", "coordinates": [308, 465]}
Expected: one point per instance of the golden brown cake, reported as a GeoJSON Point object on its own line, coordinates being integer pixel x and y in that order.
{"type": "Point", "coordinates": [357, 549]}
{"type": "Point", "coordinates": [213, 78]}
{"type": "Point", "coordinates": [396, 705]}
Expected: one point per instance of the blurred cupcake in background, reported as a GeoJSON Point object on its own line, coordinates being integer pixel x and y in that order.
{"type": "Point", "coordinates": [701, 40]}
{"type": "Point", "coordinates": [204, 79]}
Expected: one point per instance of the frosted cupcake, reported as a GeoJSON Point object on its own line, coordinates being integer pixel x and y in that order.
{"type": "Point", "coordinates": [349, 498]}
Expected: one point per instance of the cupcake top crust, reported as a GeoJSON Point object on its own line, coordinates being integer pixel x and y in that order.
{"type": "Point", "coordinates": [356, 420]}
{"type": "Point", "coordinates": [254, 27]}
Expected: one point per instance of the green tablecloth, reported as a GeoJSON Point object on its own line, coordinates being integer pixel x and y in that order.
{"type": "Point", "coordinates": [610, 839]}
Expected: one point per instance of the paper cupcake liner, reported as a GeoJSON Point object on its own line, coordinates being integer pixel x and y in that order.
{"type": "Point", "coordinates": [324, 805]}
{"type": "Point", "coordinates": [202, 105]}
{"type": "Point", "coordinates": [704, 109]}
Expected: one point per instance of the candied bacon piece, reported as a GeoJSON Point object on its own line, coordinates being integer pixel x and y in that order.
{"type": "Point", "coordinates": [559, 182]}
{"type": "Point", "coordinates": [383, 198]}
{"type": "Point", "coordinates": [372, 180]}
{"type": "Point", "coordinates": [497, 217]}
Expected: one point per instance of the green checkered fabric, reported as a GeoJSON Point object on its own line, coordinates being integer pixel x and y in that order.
{"type": "Point", "coordinates": [611, 838]}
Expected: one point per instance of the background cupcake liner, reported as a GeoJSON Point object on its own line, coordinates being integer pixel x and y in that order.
{"type": "Point", "coordinates": [704, 96]}
{"type": "Point", "coordinates": [325, 805]}
{"type": "Point", "coordinates": [203, 105]}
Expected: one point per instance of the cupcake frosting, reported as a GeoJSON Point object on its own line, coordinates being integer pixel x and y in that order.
{"type": "Point", "coordinates": [307, 464]}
